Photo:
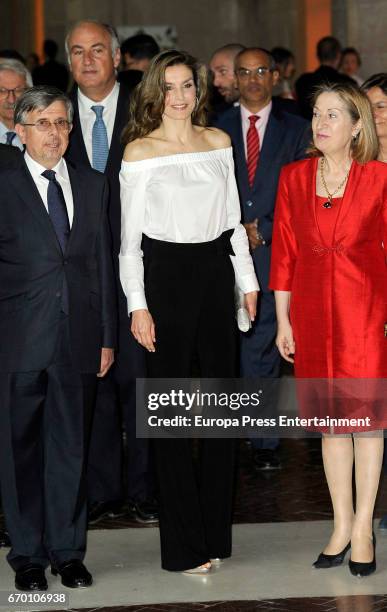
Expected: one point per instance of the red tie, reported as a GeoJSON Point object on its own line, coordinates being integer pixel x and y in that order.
{"type": "Point", "coordinates": [252, 148]}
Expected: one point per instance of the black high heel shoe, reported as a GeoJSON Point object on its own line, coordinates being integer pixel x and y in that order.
{"type": "Point", "coordinates": [359, 569]}
{"type": "Point", "coordinates": [324, 561]}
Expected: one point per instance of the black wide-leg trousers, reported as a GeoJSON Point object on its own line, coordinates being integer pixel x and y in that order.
{"type": "Point", "coordinates": [44, 428]}
{"type": "Point", "coordinates": [190, 295]}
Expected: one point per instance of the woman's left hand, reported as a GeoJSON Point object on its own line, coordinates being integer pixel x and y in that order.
{"type": "Point", "coordinates": [251, 304]}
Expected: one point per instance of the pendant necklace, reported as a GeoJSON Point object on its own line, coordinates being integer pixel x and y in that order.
{"type": "Point", "coordinates": [328, 203]}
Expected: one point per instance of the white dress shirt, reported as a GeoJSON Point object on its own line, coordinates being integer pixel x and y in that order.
{"type": "Point", "coordinates": [260, 125]}
{"type": "Point", "coordinates": [87, 116]}
{"type": "Point", "coordinates": [184, 198]}
{"type": "Point", "coordinates": [16, 142]}
{"type": "Point", "coordinates": [41, 182]}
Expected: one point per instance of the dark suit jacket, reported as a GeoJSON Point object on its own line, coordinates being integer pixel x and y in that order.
{"type": "Point", "coordinates": [286, 139]}
{"type": "Point", "coordinates": [32, 271]}
{"type": "Point", "coordinates": [76, 153]}
{"type": "Point", "coordinates": [10, 156]}
{"type": "Point", "coordinates": [51, 73]}
{"type": "Point", "coordinates": [130, 78]}
{"type": "Point", "coordinates": [306, 84]}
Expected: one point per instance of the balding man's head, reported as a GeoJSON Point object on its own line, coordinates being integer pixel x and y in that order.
{"type": "Point", "coordinates": [222, 68]}
{"type": "Point", "coordinates": [94, 54]}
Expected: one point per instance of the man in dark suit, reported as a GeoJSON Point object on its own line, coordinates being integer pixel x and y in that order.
{"type": "Point", "coordinates": [10, 156]}
{"type": "Point", "coordinates": [328, 52]}
{"type": "Point", "coordinates": [58, 333]}
{"type": "Point", "coordinates": [136, 53]}
{"type": "Point", "coordinates": [51, 72]}
{"type": "Point", "coordinates": [264, 139]}
{"type": "Point", "coordinates": [100, 115]}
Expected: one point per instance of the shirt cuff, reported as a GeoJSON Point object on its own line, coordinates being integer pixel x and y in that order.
{"type": "Point", "coordinates": [136, 301]}
{"type": "Point", "coordinates": [247, 283]}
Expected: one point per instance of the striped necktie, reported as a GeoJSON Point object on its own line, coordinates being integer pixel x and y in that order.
{"type": "Point", "coordinates": [252, 148]}
{"type": "Point", "coordinates": [100, 143]}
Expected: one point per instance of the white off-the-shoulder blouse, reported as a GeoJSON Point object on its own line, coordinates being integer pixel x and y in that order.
{"type": "Point", "coordinates": [185, 198]}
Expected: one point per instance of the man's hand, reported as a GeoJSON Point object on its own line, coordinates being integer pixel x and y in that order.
{"type": "Point", "coordinates": [252, 234]}
{"type": "Point", "coordinates": [107, 359]}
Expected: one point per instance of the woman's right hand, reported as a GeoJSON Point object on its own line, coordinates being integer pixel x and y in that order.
{"type": "Point", "coordinates": [143, 329]}
{"type": "Point", "coordinates": [285, 341]}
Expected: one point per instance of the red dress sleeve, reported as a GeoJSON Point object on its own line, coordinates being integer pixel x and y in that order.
{"type": "Point", "coordinates": [384, 223]}
{"type": "Point", "coordinates": [284, 243]}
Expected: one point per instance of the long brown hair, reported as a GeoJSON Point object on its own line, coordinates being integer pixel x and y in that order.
{"type": "Point", "coordinates": [365, 147]}
{"type": "Point", "coordinates": [148, 100]}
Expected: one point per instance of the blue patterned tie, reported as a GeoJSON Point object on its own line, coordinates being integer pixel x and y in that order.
{"type": "Point", "coordinates": [99, 140]}
{"type": "Point", "coordinates": [10, 136]}
{"type": "Point", "coordinates": [59, 218]}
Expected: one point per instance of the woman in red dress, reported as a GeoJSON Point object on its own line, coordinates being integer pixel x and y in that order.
{"type": "Point", "coordinates": [329, 275]}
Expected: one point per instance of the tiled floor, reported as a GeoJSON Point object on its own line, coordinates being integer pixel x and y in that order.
{"type": "Point", "coordinates": [297, 493]}
{"type": "Point", "coordinates": [270, 562]}
{"type": "Point", "coordinates": [361, 603]}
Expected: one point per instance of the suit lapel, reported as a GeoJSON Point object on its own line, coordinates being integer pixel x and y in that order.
{"type": "Point", "coordinates": [78, 141]}
{"type": "Point", "coordinates": [25, 187]}
{"type": "Point", "coordinates": [349, 198]}
{"type": "Point", "coordinates": [269, 151]}
{"type": "Point", "coordinates": [239, 147]}
{"type": "Point", "coordinates": [311, 197]}
{"type": "Point", "coordinates": [77, 191]}
{"type": "Point", "coordinates": [115, 150]}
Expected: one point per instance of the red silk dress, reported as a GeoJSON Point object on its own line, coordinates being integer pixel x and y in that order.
{"type": "Point", "coordinates": [336, 270]}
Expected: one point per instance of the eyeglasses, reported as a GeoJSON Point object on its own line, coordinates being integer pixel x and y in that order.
{"type": "Point", "coordinates": [246, 73]}
{"type": "Point", "coordinates": [44, 125]}
{"type": "Point", "coordinates": [16, 91]}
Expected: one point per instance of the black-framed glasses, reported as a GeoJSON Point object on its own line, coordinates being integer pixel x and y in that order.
{"type": "Point", "coordinates": [16, 91]}
{"type": "Point", "coordinates": [44, 125]}
{"type": "Point", "coordinates": [246, 73]}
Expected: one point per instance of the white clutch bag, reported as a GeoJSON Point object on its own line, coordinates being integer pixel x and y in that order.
{"type": "Point", "coordinates": [241, 313]}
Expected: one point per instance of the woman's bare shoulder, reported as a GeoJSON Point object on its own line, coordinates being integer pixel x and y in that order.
{"type": "Point", "coordinates": [139, 149]}
{"type": "Point", "coordinates": [216, 138]}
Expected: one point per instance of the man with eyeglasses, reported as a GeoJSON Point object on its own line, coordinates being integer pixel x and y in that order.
{"type": "Point", "coordinates": [14, 80]}
{"type": "Point", "coordinates": [58, 334]}
{"type": "Point", "coordinates": [101, 107]}
{"type": "Point", "coordinates": [264, 138]}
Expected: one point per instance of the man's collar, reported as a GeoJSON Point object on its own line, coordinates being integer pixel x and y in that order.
{"type": "Point", "coordinates": [4, 129]}
{"type": "Point", "coordinates": [263, 113]}
{"type": "Point", "coordinates": [35, 167]}
{"type": "Point", "coordinates": [86, 103]}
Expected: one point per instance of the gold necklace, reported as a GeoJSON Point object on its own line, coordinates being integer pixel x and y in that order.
{"type": "Point", "coordinates": [328, 204]}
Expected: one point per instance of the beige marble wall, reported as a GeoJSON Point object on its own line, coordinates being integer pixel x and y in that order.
{"type": "Point", "coordinates": [16, 25]}
{"type": "Point", "coordinates": [363, 24]}
{"type": "Point", "coordinates": [203, 25]}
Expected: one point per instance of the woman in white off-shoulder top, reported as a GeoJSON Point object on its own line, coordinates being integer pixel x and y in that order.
{"type": "Point", "coordinates": [180, 207]}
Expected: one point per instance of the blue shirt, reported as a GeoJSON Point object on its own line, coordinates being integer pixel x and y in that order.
{"type": "Point", "coordinates": [16, 142]}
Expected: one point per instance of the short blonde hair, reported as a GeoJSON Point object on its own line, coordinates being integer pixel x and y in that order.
{"type": "Point", "coordinates": [365, 147]}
